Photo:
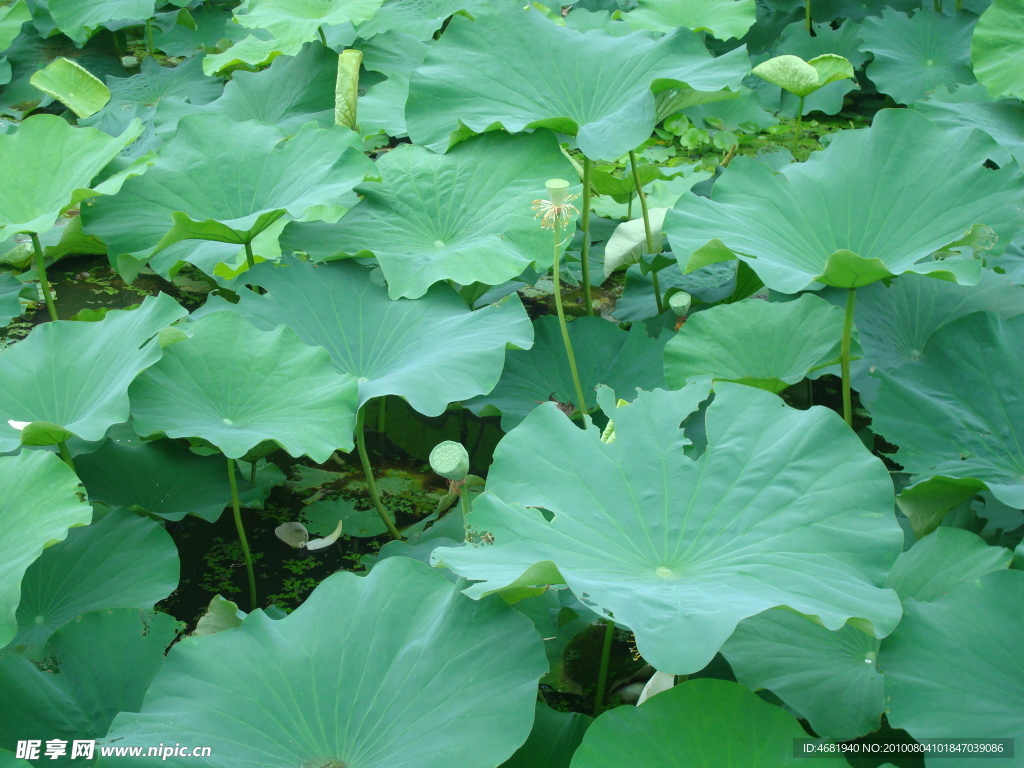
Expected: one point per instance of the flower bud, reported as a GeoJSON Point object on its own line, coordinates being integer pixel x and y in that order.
{"type": "Point", "coordinates": [450, 460]}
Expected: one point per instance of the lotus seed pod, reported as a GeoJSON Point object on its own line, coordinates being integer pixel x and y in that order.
{"type": "Point", "coordinates": [680, 303]}
{"type": "Point", "coordinates": [557, 189]}
{"type": "Point", "coordinates": [450, 460]}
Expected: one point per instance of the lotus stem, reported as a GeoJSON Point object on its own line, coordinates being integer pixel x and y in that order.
{"type": "Point", "coordinates": [149, 37]}
{"type": "Point", "coordinates": [588, 167]}
{"type": "Point", "coordinates": [252, 474]}
{"type": "Point", "coordinates": [464, 500]}
{"type": "Point", "coordinates": [647, 225]}
{"type": "Point", "coordinates": [581, 402]}
{"type": "Point", "coordinates": [250, 260]}
{"type": "Point", "coordinates": [844, 352]}
{"type": "Point", "coordinates": [799, 128]}
{"type": "Point", "coordinates": [807, 15]}
{"type": "Point", "coordinates": [237, 509]}
{"type": "Point", "coordinates": [602, 671]}
{"type": "Point", "coordinates": [323, 36]}
{"type": "Point", "coordinates": [65, 454]}
{"type": "Point", "coordinates": [371, 485]}
{"type": "Point", "coordinates": [44, 284]}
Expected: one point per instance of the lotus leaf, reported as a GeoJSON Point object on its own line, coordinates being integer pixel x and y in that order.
{"type": "Point", "coordinates": [876, 203]}
{"type": "Point", "coordinates": [244, 386]}
{"type": "Point", "coordinates": [96, 666]}
{"type": "Point", "coordinates": [73, 86]}
{"type": "Point", "coordinates": [996, 49]}
{"type": "Point", "coordinates": [724, 20]}
{"type": "Point", "coordinates": [299, 20]}
{"type": "Point", "coordinates": [956, 416]}
{"type": "Point", "coordinates": [76, 375]}
{"type": "Point", "coordinates": [553, 740]}
{"type": "Point", "coordinates": [916, 54]}
{"type": "Point", "coordinates": [593, 85]}
{"type": "Point", "coordinates": [897, 320]}
{"type": "Point", "coordinates": [761, 344]}
{"type": "Point", "coordinates": [431, 352]}
{"type": "Point", "coordinates": [833, 678]}
{"type": "Point", "coordinates": [464, 216]}
{"type": "Point", "coordinates": [122, 561]}
{"type": "Point", "coordinates": [697, 724]}
{"type": "Point", "coordinates": [1002, 120]}
{"type": "Point", "coordinates": [79, 19]}
{"type": "Point", "coordinates": [12, 17]}
{"type": "Point", "coordinates": [56, 163]}
{"type": "Point", "coordinates": [977, 629]}
{"type": "Point", "coordinates": [224, 181]}
{"type": "Point", "coordinates": [11, 289]}
{"type": "Point", "coordinates": [654, 537]}
{"type": "Point", "coordinates": [623, 360]}
{"type": "Point", "coordinates": [419, 18]}
{"type": "Point", "coordinates": [802, 78]}
{"type": "Point", "coordinates": [42, 498]}
{"type": "Point", "coordinates": [329, 683]}
{"type": "Point", "coordinates": [293, 91]}
{"type": "Point", "coordinates": [629, 240]}
{"type": "Point", "coordinates": [160, 478]}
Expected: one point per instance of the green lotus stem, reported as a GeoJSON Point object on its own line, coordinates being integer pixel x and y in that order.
{"type": "Point", "coordinates": [588, 167]}
{"type": "Point", "coordinates": [65, 454]}
{"type": "Point", "coordinates": [602, 672]}
{"type": "Point", "coordinates": [581, 402]}
{"type": "Point", "coordinates": [149, 37]}
{"type": "Point", "coordinates": [464, 499]}
{"type": "Point", "coordinates": [237, 509]}
{"type": "Point", "coordinates": [799, 128]}
{"type": "Point", "coordinates": [371, 485]}
{"type": "Point", "coordinates": [250, 260]}
{"type": "Point", "coordinates": [647, 224]}
{"type": "Point", "coordinates": [44, 284]}
{"type": "Point", "coordinates": [323, 36]}
{"type": "Point", "coordinates": [252, 474]}
{"type": "Point", "coordinates": [844, 352]}
{"type": "Point", "coordinates": [807, 15]}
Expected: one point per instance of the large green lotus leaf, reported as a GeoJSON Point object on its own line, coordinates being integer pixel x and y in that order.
{"type": "Point", "coordinates": [698, 724]}
{"type": "Point", "coordinates": [76, 375]}
{"type": "Point", "coordinates": [394, 669]}
{"type": "Point", "coordinates": [73, 86]}
{"type": "Point", "coordinates": [54, 163]}
{"type": "Point", "coordinates": [12, 17]}
{"type": "Point", "coordinates": [761, 344]}
{"type": "Point", "coordinates": [205, 27]}
{"type": "Point", "coordinates": [10, 298]}
{"type": "Point", "coordinates": [895, 321]}
{"type": "Point", "coordinates": [162, 478]}
{"type": "Point", "coordinates": [724, 19]}
{"type": "Point", "coordinates": [593, 85]}
{"type": "Point", "coordinates": [464, 216]}
{"type": "Point", "coordinates": [942, 559]}
{"type": "Point", "coordinates": [122, 561]}
{"type": "Point", "coordinates": [682, 543]}
{"type": "Point", "coordinates": [832, 678]}
{"type": "Point", "coordinates": [997, 50]}
{"type": "Point", "coordinates": [553, 740]}
{"type": "Point", "coordinates": [143, 93]}
{"type": "Point", "coordinates": [976, 630]}
{"type": "Point", "coordinates": [605, 354]}
{"type": "Point", "coordinates": [99, 664]}
{"type": "Point", "coordinates": [293, 91]}
{"type": "Point", "coordinates": [299, 20]}
{"type": "Point", "coordinates": [419, 18]}
{"type": "Point", "coordinates": [917, 54]}
{"type": "Point", "coordinates": [433, 351]}
{"type": "Point", "coordinates": [220, 180]}
{"type": "Point", "coordinates": [874, 204]}
{"type": "Point", "coordinates": [1003, 120]}
{"type": "Point", "coordinates": [79, 19]}
{"type": "Point", "coordinates": [955, 413]}
{"type": "Point", "coordinates": [396, 55]}
{"type": "Point", "coordinates": [235, 386]}
{"type": "Point", "coordinates": [42, 498]}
